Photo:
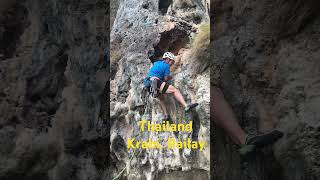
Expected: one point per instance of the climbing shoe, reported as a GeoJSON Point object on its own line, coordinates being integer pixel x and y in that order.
{"type": "Point", "coordinates": [166, 118]}
{"type": "Point", "coordinates": [265, 139]}
{"type": "Point", "coordinates": [190, 106]}
{"type": "Point", "coordinates": [259, 141]}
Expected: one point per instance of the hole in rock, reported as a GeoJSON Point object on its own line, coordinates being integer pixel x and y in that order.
{"type": "Point", "coordinates": [172, 41]}
{"type": "Point", "coordinates": [12, 24]}
{"type": "Point", "coordinates": [164, 5]}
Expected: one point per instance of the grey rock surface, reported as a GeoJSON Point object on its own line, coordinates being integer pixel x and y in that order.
{"type": "Point", "coordinates": [265, 59]}
{"type": "Point", "coordinates": [51, 90]}
{"type": "Point", "coordinates": [140, 31]}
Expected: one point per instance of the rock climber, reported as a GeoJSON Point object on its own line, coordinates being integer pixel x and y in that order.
{"type": "Point", "coordinates": [225, 118]}
{"type": "Point", "coordinates": [158, 79]}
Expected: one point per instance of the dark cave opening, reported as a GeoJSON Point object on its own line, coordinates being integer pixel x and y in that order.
{"type": "Point", "coordinates": [172, 40]}
{"type": "Point", "coordinates": [164, 5]}
{"type": "Point", "coordinates": [12, 25]}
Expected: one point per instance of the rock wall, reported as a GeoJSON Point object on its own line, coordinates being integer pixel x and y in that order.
{"type": "Point", "coordinates": [141, 31]}
{"type": "Point", "coordinates": [265, 59]}
{"type": "Point", "coordinates": [52, 88]}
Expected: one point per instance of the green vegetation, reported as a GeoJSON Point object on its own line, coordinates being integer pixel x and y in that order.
{"type": "Point", "coordinates": [200, 46]}
{"type": "Point", "coordinates": [202, 39]}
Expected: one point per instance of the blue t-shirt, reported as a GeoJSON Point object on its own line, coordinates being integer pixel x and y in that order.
{"type": "Point", "coordinates": [159, 69]}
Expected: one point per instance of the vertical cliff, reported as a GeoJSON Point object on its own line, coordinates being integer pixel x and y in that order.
{"type": "Point", "coordinates": [141, 31]}
{"type": "Point", "coordinates": [52, 89]}
{"type": "Point", "coordinates": [265, 59]}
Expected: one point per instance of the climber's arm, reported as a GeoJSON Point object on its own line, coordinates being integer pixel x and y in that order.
{"type": "Point", "coordinates": [167, 78]}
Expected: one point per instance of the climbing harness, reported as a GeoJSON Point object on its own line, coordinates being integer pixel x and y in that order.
{"type": "Point", "coordinates": [154, 90]}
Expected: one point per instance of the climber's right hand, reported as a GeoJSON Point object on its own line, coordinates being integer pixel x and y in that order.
{"type": "Point", "coordinates": [168, 78]}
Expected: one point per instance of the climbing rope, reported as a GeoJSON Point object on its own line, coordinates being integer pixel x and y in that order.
{"type": "Point", "coordinates": [146, 101]}
{"type": "Point", "coordinates": [120, 173]}
{"type": "Point", "coordinates": [130, 159]}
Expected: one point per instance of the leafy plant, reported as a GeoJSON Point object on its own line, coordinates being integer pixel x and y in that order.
{"type": "Point", "coordinates": [200, 46]}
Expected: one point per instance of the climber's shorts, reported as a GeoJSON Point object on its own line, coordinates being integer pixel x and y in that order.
{"type": "Point", "coordinates": [165, 88]}
{"type": "Point", "coordinates": [147, 84]}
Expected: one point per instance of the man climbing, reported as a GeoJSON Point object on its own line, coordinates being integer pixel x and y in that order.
{"type": "Point", "coordinates": [157, 81]}
{"type": "Point", "coordinates": [225, 118]}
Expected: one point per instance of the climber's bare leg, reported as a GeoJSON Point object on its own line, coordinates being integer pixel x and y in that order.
{"type": "Point", "coordinates": [163, 105]}
{"type": "Point", "coordinates": [225, 117]}
{"type": "Point", "coordinates": [178, 96]}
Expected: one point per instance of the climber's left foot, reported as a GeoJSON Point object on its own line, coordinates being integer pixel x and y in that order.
{"type": "Point", "coordinates": [190, 106]}
{"type": "Point", "coordinates": [166, 118]}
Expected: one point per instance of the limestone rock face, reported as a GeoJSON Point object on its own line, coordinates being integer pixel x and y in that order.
{"type": "Point", "coordinates": [141, 33]}
{"type": "Point", "coordinates": [265, 59]}
{"type": "Point", "coordinates": [51, 89]}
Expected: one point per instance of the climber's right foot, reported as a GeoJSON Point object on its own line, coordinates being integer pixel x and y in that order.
{"type": "Point", "coordinates": [190, 106]}
{"type": "Point", "coordinates": [260, 141]}
{"type": "Point", "coordinates": [263, 140]}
